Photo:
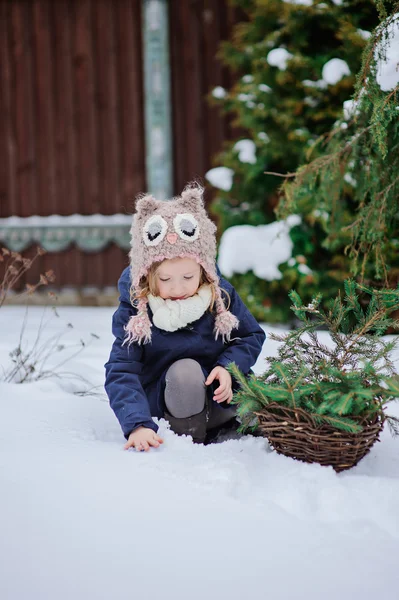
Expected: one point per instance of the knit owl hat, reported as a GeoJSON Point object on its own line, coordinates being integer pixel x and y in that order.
{"type": "Point", "coordinates": [171, 229]}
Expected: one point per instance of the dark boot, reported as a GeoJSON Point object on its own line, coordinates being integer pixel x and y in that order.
{"type": "Point", "coordinates": [221, 433]}
{"type": "Point", "coordinates": [194, 425]}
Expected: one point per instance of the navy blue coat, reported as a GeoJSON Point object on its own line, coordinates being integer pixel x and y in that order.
{"type": "Point", "coordinates": [135, 376]}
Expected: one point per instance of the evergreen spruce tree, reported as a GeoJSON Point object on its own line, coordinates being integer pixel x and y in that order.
{"type": "Point", "coordinates": [297, 62]}
{"type": "Point", "coordinates": [362, 150]}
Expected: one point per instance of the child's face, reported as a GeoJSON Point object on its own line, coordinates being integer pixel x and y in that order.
{"type": "Point", "coordinates": [178, 278]}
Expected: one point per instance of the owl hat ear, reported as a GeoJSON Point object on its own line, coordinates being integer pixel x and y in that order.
{"type": "Point", "coordinates": [192, 197]}
{"type": "Point", "coordinates": [146, 205]}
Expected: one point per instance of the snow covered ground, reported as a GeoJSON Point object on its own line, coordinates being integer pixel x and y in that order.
{"type": "Point", "coordinates": [81, 519]}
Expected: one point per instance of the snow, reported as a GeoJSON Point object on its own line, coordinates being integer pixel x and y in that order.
{"type": "Point", "coordinates": [262, 135]}
{"type": "Point", "coordinates": [304, 269]}
{"type": "Point", "coordinates": [221, 178]}
{"type": "Point", "coordinates": [309, 101]}
{"type": "Point", "coordinates": [246, 151]}
{"type": "Point", "coordinates": [81, 518]}
{"type": "Point", "coordinates": [334, 70]}
{"type": "Point", "coordinates": [278, 57]}
{"type": "Point", "coordinates": [219, 92]}
{"type": "Point", "coordinates": [95, 220]}
{"type": "Point", "coordinates": [350, 109]}
{"type": "Point", "coordinates": [388, 64]}
{"type": "Point", "coordinates": [350, 179]}
{"type": "Point", "coordinates": [300, 2]}
{"type": "Point", "coordinates": [246, 97]}
{"type": "Point", "coordinates": [364, 34]}
{"type": "Point", "coordinates": [319, 84]}
{"type": "Point", "coordinates": [260, 248]}
{"type": "Point", "coordinates": [321, 214]}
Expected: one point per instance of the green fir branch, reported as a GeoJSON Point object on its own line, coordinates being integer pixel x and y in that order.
{"type": "Point", "coordinates": [393, 425]}
{"type": "Point", "coordinates": [353, 379]}
{"type": "Point", "coordinates": [343, 424]}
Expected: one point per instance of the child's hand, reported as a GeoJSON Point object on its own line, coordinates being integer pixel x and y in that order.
{"type": "Point", "coordinates": [142, 438]}
{"type": "Point", "coordinates": [223, 393]}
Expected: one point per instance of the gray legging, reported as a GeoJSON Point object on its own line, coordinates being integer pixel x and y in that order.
{"type": "Point", "coordinates": [185, 393]}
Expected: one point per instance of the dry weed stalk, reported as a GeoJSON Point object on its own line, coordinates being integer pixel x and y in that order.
{"type": "Point", "coordinates": [30, 360]}
{"type": "Point", "coordinates": [15, 267]}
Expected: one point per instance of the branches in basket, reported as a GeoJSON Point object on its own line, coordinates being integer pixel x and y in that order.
{"type": "Point", "coordinates": [341, 383]}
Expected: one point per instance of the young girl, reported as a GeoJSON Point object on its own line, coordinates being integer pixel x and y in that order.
{"type": "Point", "coordinates": [177, 326]}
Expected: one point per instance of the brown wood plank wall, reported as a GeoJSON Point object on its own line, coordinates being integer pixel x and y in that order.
{"type": "Point", "coordinates": [71, 104]}
{"type": "Point", "coordinates": [196, 29]}
{"type": "Point", "coordinates": [71, 126]}
{"type": "Point", "coordinates": [72, 112]}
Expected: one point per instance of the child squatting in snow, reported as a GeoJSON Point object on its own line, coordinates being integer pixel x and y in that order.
{"type": "Point", "coordinates": [177, 327]}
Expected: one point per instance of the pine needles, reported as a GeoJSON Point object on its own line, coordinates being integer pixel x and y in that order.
{"type": "Point", "coordinates": [354, 180]}
{"type": "Point", "coordinates": [339, 383]}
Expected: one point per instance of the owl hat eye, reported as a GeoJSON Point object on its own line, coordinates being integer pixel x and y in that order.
{"type": "Point", "coordinates": [186, 226]}
{"type": "Point", "coordinates": [154, 230]}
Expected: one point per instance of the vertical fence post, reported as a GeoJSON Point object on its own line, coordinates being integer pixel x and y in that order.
{"type": "Point", "coordinates": [157, 102]}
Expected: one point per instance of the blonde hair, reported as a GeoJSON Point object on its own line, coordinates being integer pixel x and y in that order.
{"type": "Point", "coordinates": [149, 285]}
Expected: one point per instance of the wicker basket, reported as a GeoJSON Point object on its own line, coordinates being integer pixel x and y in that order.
{"type": "Point", "coordinates": [295, 434]}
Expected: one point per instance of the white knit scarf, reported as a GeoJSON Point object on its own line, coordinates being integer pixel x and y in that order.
{"type": "Point", "coordinates": [171, 315]}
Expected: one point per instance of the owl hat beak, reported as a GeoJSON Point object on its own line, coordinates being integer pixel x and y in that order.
{"type": "Point", "coordinates": [172, 238]}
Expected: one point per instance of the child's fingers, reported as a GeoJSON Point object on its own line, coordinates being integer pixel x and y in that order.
{"type": "Point", "coordinates": [143, 445]}
{"type": "Point", "coordinates": [222, 398]}
{"type": "Point", "coordinates": [214, 374]}
{"type": "Point", "coordinates": [155, 440]}
{"type": "Point", "coordinates": [220, 391]}
{"type": "Point", "coordinates": [224, 382]}
{"type": "Point", "coordinates": [210, 378]}
{"type": "Point", "coordinates": [153, 443]}
{"type": "Point", "coordinates": [129, 444]}
{"type": "Point", "coordinates": [222, 387]}
{"type": "Point", "coordinates": [227, 396]}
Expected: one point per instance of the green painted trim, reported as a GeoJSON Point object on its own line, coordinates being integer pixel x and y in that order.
{"type": "Point", "coordinates": [56, 234]}
{"type": "Point", "coordinates": [157, 102]}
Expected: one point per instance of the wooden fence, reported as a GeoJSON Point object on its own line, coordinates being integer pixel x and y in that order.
{"type": "Point", "coordinates": [196, 29]}
{"type": "Point", "coordinates": [72, 112]}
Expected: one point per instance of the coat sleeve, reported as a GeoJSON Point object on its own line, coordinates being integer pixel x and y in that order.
{"type": "Point", "coordinates": [122, 371]}
{"type": "Point", "coordinates": [246, 341]}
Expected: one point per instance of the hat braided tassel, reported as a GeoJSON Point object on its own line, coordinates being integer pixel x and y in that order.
{"type": "Point", "coordinates": [138, 328]}
{"type": "Point", "coordinates": [225, 321]}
